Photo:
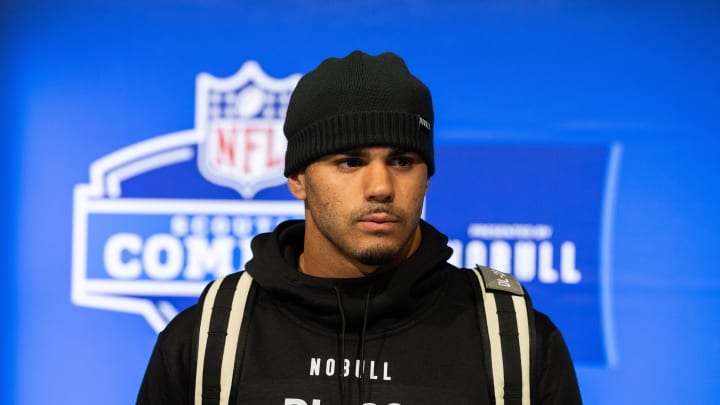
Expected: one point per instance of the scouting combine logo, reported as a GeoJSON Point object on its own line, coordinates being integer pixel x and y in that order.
{"type": "Point", "coordinates": [150, 230]}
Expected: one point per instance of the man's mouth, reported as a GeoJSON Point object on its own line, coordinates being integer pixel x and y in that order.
{"type": "Point", "coordinates": [379, 221]}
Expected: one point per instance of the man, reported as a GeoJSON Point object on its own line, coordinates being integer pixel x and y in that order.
{"type": "Point", "coordinates": [356, 304]}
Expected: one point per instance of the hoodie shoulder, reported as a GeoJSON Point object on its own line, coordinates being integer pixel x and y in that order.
{"type": "Point", "coordinates": [556, 380]}
{"type": "Point", "coordinates": [170, 372]}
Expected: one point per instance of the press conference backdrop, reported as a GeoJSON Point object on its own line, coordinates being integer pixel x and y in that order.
{"type": "Point", "coordinates": [576, 149]}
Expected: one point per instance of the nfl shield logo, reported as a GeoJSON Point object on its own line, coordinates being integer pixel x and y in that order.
{"type": "Point", "coordinates": [240, 122]}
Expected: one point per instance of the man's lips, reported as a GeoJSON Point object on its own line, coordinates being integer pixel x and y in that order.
{"type": "Point", "coordinates": [379, 218]}
{"type": "Point", "coordinates": [379, 222]}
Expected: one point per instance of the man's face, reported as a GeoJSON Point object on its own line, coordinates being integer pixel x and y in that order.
{"type": "Point", "coordinates": [364, 205]}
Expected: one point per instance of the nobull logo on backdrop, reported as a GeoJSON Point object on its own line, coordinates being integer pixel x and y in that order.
{"type": "Point", "coordinates": [161, 218]}
{"type": "Point", "coordinates": [526, 250]}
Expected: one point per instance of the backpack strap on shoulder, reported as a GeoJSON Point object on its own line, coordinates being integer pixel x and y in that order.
{"type": "Point", "coordinates": [511, 334]}
{"type": "Point", "coordinates": [222, 310]}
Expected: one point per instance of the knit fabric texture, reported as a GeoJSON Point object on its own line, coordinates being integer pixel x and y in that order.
{"type": "Point", "coordinates": [354, 102]}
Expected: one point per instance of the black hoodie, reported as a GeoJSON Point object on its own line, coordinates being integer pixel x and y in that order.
{"type": "Point", "coordinates": [415, 328]}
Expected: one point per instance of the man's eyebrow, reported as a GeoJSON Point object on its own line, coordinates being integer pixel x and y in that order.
{"type": "Point", "coordinates": [363, 152]}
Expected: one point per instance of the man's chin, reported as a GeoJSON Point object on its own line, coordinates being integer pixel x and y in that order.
{"type": "Point", "coordinates": [377, 257]}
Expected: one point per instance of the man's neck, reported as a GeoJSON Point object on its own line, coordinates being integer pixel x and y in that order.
{"type": "Point", "coordinates": [320, 266]}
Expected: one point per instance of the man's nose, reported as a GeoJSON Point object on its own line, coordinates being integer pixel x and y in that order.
{"type": "Point", "coordinates": [379, 183]}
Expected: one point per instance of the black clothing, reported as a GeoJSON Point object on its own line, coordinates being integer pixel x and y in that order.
{"type": "Point", "coordinates": [416, 328]}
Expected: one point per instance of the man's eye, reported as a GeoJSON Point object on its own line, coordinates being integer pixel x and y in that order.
{"type": "Point", "coordinates": [401, 161]}
{"type": "Point", "coordinates": [348, 163]}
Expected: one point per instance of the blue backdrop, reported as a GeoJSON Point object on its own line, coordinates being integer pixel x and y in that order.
{"type": "Point", "coordinates": [597, 119]}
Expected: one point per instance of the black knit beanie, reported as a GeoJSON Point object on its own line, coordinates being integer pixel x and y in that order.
{"type": "Point", "coordinates": [358, 101]}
